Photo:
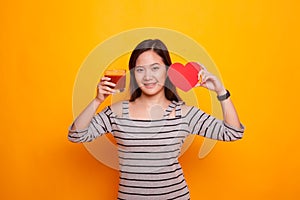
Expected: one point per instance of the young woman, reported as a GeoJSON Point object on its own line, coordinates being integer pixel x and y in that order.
{"type": "Point", "coordinates": [151, 127]}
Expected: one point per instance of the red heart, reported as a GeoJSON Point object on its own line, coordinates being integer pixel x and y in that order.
{"type": "Point", "coordinates": [184, 77]}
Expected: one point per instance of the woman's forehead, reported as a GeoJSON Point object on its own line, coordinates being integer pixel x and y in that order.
{"type": "Point", "coordinates": [148, 58]}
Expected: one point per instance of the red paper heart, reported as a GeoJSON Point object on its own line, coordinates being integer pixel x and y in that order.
{"type": "Point", "coordinates": [184, 77]}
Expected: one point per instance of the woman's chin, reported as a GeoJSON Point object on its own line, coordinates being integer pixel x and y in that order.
{"type": "Point", "coordinates": [151, 89]}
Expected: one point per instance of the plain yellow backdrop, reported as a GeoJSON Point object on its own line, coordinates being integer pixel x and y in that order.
{"type": "Point", "coordinates": [255, 45]}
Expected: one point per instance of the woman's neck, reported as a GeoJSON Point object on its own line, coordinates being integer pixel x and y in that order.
{"type": "Point", "coordinates": [153, 100]}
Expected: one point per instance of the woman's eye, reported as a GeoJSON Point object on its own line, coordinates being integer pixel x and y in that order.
{"type": "Point", "coordinates": [139, 69]}
{"type": "Point", "coordinates": [155, 68]}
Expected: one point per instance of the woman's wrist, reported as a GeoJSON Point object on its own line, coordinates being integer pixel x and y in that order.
{"type": "Point", "coordinates": [221, 92]}
{"type": "Point", "coordinates": [223, 96]}
{"type": "Point", "coordinates": [97, 101]}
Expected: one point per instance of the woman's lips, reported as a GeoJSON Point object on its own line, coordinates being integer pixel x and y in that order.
{"type": "Point", "coordinates": [149, 85]}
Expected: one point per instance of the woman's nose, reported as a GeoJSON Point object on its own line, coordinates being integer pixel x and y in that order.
{"type": "Point", "coordinates": [148, 74]}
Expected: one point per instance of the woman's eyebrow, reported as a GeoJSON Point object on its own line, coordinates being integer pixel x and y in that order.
{"type": "Point", "coordinates": [148, 65]}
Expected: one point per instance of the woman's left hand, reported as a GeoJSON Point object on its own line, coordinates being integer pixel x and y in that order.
{"type": "Point", "coordinates": [210, 81]}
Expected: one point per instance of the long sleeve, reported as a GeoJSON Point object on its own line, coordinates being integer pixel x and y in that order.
{"type": "Point", "coordinates": [99, 125]}
{"type": "Point", "coordinates": [205, 125]}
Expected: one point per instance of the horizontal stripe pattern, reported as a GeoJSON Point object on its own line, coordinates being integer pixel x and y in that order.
{"type": "Point", "coordinates": [207, 126]}
{"type": "Point", "coordinates": [148, 156]}
{"type": "Point", "coordinates": [149, 149]}
{"type": "Point", "coordinates": [99, 125]}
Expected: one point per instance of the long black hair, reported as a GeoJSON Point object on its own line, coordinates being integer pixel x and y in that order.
{"type": "Point", "coordinates": [160, 48]}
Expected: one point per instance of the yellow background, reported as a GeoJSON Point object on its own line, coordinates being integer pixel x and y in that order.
{"type": "Point", "coordinates": [254, 43]}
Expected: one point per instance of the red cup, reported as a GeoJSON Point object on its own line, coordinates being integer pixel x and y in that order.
{"type": "Point", "coordinates": [118, 77]}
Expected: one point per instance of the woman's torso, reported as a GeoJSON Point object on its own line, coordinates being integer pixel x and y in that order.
{"type": "Point", "coordinates": [148, 155]}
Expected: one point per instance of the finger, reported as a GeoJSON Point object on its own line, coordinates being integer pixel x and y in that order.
{"type": "Point", "coordinates": [198, 85]}
{"type": "Point", "coordinates": [102, 86]}
{"type": "Point", "coordinates": [108, 83]}
{"type": "Point", "coordinates": [199, 77]}
{"type": "Point", "coordinates": [202, 84]}
{"type": "Point", "coordinates": [106, 91]}
{"type": "Point", "coordinates": [105, 78]}
{"type": "Point", "coordinates": [207, 76]}
{"type": "Point", "coordinates": [201, 73]}
{"type": "Point", "coordinates": [204, 72]}
{"type": "Point", "coordinates": [204, 77]}
{"type": "Point", "coordinates": [202, 66]}
{"type": "Point", "coordinates": [107, 88]}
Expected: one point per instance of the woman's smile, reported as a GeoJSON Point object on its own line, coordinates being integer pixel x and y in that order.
{"type": "Point", "coordinates": [150, 85]}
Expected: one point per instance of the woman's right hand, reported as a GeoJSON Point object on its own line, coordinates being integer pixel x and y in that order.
{"type": "Point", "coordinates": [104, 89]}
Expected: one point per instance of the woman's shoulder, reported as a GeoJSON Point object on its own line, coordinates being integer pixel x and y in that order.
{"type": "Point", "coordinates": [117, 107]}
{"type": "Point", "coordinates": [184, 107]}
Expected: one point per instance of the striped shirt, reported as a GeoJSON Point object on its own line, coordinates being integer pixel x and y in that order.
{"type": "Point", "coordinates": [149, 149]}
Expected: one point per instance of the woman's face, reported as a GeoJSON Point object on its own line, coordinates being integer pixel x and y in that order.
{"type": "Point", "coordinates": [150, 73]}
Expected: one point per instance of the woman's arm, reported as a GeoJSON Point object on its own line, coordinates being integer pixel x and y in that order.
{"type": "Point", "coordinates": [85, 117]}
{"type": "Point", "coordinates": [212, 83]}
{"type": "Point", "coordinates": [87, 126]}
{"type": "Point", "coordinates": [230, 115]}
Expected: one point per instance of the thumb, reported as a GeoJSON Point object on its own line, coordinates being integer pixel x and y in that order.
{"type": "Point", "coordinates": [201, 84]}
